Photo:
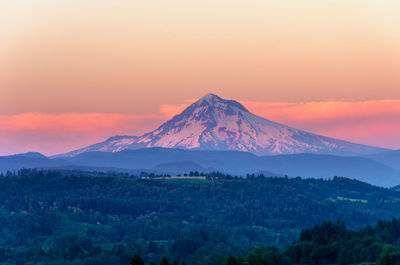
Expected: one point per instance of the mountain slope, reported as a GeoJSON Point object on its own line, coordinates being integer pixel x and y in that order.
{"type": "Point", "coordinates": [390, 158]}
{"type": "Point", "coordinates": [212, 123]}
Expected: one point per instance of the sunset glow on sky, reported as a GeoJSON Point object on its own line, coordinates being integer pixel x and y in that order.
{"type": "Point", "coordinates": [75, 72]}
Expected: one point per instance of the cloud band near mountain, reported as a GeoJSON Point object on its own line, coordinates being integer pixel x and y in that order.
{"type": "Point", "coordinates": [368, 122]}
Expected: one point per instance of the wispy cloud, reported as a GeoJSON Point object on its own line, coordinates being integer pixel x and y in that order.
{"type": "Point", "coordinates": [169, 110]}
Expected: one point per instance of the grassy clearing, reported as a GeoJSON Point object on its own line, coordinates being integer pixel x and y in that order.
{"type": "Point", "coordinates": [183, 177]}
{"type": "Point", "coordinates": [351, 199]}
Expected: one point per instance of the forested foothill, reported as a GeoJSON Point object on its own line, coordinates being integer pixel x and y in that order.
{"type": "Point", "coordinates": [74, 217]}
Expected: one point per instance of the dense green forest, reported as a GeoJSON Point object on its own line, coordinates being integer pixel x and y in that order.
{"type": "Point", "coordinates": [66, 217]}
{"type": "Point", "coordinates": [328, 243]}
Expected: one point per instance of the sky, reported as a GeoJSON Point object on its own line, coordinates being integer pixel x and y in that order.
{"type": "Point", "coordinates": [74, 72]}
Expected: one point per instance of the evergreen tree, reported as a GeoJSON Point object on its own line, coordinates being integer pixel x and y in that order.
{"type": "Point", "coordinates": [136, 260]}
{"type": "Point", "coordinates": [164, 261]}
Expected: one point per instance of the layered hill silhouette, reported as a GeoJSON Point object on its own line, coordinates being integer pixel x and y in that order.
{"type": "Point", "coordinates": [179, 161]}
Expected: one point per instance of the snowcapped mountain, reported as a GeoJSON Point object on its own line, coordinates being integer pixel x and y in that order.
{"type": "Point", "coordinates": [212, 123]}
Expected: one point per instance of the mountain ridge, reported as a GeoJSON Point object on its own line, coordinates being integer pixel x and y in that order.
{"type": "Point", "coordinates": [179, 161]}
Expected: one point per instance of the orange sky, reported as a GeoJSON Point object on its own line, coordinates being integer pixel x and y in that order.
{"type": "Point", "coordinates": [126, 59]}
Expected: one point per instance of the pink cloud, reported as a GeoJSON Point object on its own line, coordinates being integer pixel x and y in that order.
{"type": "Point", "coordinates": [368, 122]}
{"type": "Point", "coordinates": [326, 110]}
{"type": "Point", "coordinates": [170, 111]}
{"type": "Point", "coordinates": [56, 133]}
{"type": "Point", "coordinates": [375, 122]}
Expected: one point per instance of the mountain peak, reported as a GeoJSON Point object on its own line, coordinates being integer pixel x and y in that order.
{"type": "Point", "coordinates": [213, 123]}
{"type": "Point", "coordinates": [215, 101]}
{"type": "Point", "coordinates": [210, 98]}
{"type": "Point", "coordinates": [31, 155]}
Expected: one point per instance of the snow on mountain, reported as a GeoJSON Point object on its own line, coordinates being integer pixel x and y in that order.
{"type": "Point", "coordinates": [212, 123]}
{"type": "Point", "coordinates": [112, 144]}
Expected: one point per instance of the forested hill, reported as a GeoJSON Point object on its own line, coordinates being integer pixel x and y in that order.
{"type": "Point", "coordinates": [61, 217]}
{"type": "Point", "coordinates": [329, 243]}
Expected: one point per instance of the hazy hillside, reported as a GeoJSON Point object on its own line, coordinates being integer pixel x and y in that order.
{"type": "Point", "coordinates": [240, 163]}
{"type": "Point", "coordinates": [178, 161]}
{"type": "Point", "coordinates": [390, 158]}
